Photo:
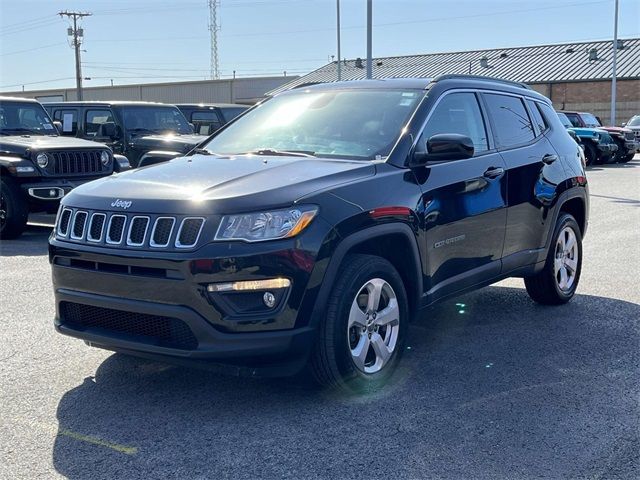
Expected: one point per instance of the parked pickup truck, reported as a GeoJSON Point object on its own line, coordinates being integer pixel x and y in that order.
{"type": "Point", "coordinates": [38, 167]}
{"type": "Point", "coordinates": [145, 132]}
{"type": "Point", "coordinates": [623, 137]}
{"type": "Point", "coordinates": [598, 145]}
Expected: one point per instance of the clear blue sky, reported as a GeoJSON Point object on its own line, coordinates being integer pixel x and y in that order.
{"type": "Point", "coordinates": [144, 41]}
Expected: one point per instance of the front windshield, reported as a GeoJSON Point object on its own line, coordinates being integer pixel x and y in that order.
{"type": "Point", "coordinates": [635, 121]}
{"type": "Point", "coordinates": [565, 120]}
{"type": "Point", "coordinates": [353, 124]}
{"type": "Point", "coordinates": [590, 120]}
{"type": "Point", "coordinates": [24, 118]}
{"type": "Point", "coordinates": [154, 120]}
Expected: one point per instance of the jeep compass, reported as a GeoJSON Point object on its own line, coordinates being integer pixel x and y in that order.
{"type": "Point", "coordinates": [312, 228]}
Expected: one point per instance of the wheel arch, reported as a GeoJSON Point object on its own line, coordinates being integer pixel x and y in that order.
{"type": "Point", "coordinates": [395, 242]}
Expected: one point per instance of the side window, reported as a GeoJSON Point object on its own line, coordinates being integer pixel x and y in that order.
{"type": "Point", "coordinates": [94, 119]}
{"type": "Point", "coordinates": [511, 120]}
{"type": "Point", "coordinates": [536, 116]}
{"type": "Point", "coordinates": [69, 120]}
{"type": "Point", "coordinates": [205, 122]}
{"type": "Point", "coordinates": [575, 121]}
{"type": "Point", "coordinates": [458, 113]}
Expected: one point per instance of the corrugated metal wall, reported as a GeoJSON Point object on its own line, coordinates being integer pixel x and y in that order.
{"type": "Point", "coordinates": [240, 90]}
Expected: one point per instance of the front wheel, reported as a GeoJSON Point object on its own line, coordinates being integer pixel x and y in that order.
{"type": "Point", "coordinates": [557, 282]}
{"type": "Point", "coordinates": [14, 210]}
{"type": "Point", "coordinates": [627, 158]}
{"type": "Point", "coordinates": [590, 154]}
{"type": "Point", "coordinates": [361, 338]}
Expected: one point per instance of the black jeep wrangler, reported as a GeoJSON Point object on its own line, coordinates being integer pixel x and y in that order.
{"type": "Point", "coordinates": [38, 167]}
{"type": "Point", "coordinates": [145, 132]}
{"type": "Point", "coordinates": [312, 228]}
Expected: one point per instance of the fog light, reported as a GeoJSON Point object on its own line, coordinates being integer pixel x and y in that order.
{"type": "Point", "coordinates": [269, 299]}
{"type": "Point", "coordinates": [269, 284]}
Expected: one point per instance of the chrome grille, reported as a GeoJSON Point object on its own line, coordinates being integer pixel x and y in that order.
{"type": "Point", "coordinates": [79, 222]}
{"type": "Point", "coordinates": [78, 162]}
{"type": "Point", "coordinates": [63, 222]}
{"type": "Point", "coordinates": [96, 227]}
{"type": "Point", "coordinates": [137, 231]}
{"type": "Point", "coordinates": [129, 230]}
{"type": "Point", "coordinates": [189, 232]}
{"type": "Point", "coordinates": [161, 233]}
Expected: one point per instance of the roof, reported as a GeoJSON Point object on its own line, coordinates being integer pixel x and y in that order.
{"type": "Point", "coordinates": [16, 99]}
{"type": "Point", "coordinates": [212, 105]}
{"type": "Point", "coordinates": [410, 83]}
{"type": "Point", "coordinates": [76, 103]}
{"type": "Point", "coordinates": [565, 62]}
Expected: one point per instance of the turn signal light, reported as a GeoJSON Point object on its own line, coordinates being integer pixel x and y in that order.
{"type": "Point", "coordinates": [252, 285]}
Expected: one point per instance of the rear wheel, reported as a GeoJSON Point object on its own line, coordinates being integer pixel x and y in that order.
{"type": "Point", "coordinates": [590, 154]}
{"type": "Point", "coordinates": [14, 209]}
{"type": "Point", "coordinates": [557, 282]}
{"type": "Point", "coordinates": [362, 337]}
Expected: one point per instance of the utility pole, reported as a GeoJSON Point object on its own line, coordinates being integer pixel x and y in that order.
{"type": "Point", "coordinates": [613, 67]}
{"type": "Point", "coordinates": [369, 27]}
{"type": "Point", "coordinates": [338, 33]}
{"type": "Point", "coordinates": [213, 34]}
{"type": "Point", "coordinates": [76, 35]}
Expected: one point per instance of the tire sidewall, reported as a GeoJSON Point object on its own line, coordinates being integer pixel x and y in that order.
{"type": "Point", "coordinates": [356, 379]}
{"type": "Point", "coordinates": [565, 220]}
{"type": "Point", "coordinates": [590, 154]}
{"type": "Point", "coordinates": [16, 212]}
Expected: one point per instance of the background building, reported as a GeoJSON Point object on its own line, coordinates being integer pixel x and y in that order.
{"type": "Point", "coordinates": [239, 90]}
{"type": "Point", "coordinates": [575, 76]}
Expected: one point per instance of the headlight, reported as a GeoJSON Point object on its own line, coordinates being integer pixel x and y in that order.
{"type": "Point", "coordinates": [596, 137]}
{"type": "Point", "coordinates": [105, 158]}
{"type": "Point", "coordinates": [260, 226]}
{"type": "Point", "coordinates": [42, 159]}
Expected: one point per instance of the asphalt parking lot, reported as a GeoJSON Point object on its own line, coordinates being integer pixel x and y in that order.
{"type": "Point", "coordinates": [492, 386]}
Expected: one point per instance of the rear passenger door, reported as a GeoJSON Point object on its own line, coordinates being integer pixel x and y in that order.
{"type": "Point", "coordinates": [464, 201]}
{"type": "Point", "coordinates": [531, 162]}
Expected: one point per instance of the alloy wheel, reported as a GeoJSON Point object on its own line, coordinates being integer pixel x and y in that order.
{"type": "Point", "coordinates": [565, 264]}
{"type": "Point", "coordinates": [373, 327]}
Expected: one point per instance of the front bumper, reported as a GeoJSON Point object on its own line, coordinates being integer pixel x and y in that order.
{"type": "Point", "coordinates": [144, 288]}
{"type": "Point", "coordinates": [607, 148]}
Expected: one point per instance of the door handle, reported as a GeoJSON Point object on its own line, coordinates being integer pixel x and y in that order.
{"type": "Point", "coordinates": [494, 172]}
{"type": "Point", "coordinates": [549, 158]}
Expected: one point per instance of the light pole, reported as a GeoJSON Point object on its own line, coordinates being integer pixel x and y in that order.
{"type": "Point", "coordinates": [369, 22]}
{"type": "Point", "coordinates": [613, 66]}
{"type": "Point", "coordinates": [338, 34]}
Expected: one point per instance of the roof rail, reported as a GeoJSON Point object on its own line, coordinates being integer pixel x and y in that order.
{"type": "Point", "coordinates": [482, 77]}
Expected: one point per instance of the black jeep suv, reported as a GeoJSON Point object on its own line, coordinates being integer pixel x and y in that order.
{"type": "Point", "coordinates": [38, 167]}
{"type": "Point", "coordinates": [313, 227]}
{"type": "Point", "coordinates": [146, 132]}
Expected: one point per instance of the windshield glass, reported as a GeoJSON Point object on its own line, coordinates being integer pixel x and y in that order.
{"type": "Point", "coordinates": [353, 124]}
{"type": "Point", "coordinates": [154, 120]}
{"type": "Point", "coordinates": [229, 113]}
{"type": "Point", "coordinates": [590, 120]}
{"type": "Point", "coordinates": [25, 118]}
{"type": "Point", "coordinates": [635, 121]}
{"type": "Point", "coordinates": [564, 120]}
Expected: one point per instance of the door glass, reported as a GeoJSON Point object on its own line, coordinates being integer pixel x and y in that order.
{"type": "Point", "coordinates": [538, 120]}
{"type": "Point", "coordinates": [205, 122]}
{"type": "Point", "coordinates": [512, 123]}
{"type": "Point", "coordinates": [69, 120]}
{"type": "Point", "coordinates": [94, 120]}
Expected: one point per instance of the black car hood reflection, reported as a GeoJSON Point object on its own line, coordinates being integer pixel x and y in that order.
{"type": "Point", "coordinates": [206, 184]}
{"type": "Point", "coordinates": [18, 144]}
{"type": "Point", "coordinates": [170, 141]}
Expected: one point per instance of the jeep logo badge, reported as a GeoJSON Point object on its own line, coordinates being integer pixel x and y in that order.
{"type": "Point", "coordinates": [124, 204]}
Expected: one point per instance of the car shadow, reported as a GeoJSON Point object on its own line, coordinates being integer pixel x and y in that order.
{"type": "Point", "coordinates": [490, 379]}
{"type": "Point", "coordinates": [32, 242]}
{"type": "Point", "coordinates": [606, 166]}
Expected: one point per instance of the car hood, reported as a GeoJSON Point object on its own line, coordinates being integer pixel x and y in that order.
{"type": "Point", "coordinates": [174, 142]}
{"type": "Point", "coordinates": [206, 184]}
{"type": "Point", "coordinates": [20, 144]}
{"type": "Point", "coordinates": [618, 130]}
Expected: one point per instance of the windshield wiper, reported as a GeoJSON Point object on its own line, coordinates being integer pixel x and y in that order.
{"type": "Point", "coordinates": [284, 153]}
{"type": "Point", "coordinates": [203, 151]}
{"type": "Point", "coordinates": [141, 130]}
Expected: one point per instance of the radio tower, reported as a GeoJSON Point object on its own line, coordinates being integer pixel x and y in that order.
{"type": "Point", "coordinates": [213, 32]}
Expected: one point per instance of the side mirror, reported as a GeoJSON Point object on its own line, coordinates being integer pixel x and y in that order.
{"type": "Point", "coordinates": [624, 124]}
{"type": "Point", "coordinates": [58, 126]}
{"type": "Point", "coordinates": [107, 130]}
{"type": "Point", "coordinates": [444, 147]}
{"type": "Point", "coordinates": [193, 127]}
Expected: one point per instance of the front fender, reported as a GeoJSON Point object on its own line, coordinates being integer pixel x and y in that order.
{"type": "Point", "coordinates": [157, 156]}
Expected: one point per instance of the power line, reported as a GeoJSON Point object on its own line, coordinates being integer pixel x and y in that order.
{"type": "Point", "coordinates": [32, 49]}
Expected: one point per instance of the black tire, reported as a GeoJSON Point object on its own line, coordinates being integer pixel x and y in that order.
{"type": "Point", "coordinates": [543, 287]}
{"type": "Point", "coordinates": [332, 363]}
{"type": "Point", "coordinates": [627, 158]}
{"type": "Point", "coordinates": [618, 157]}
{"type": "Point", "coordinates": [590, 154]}
{"type": "Point", "coordinates": [14, 209]}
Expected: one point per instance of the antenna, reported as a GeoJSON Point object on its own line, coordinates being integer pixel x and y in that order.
{"type": "Point", "coordinates": [213, 32]}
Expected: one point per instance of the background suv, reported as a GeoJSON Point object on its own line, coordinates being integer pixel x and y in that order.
{"type": "Point", "coordinates": [327, 216]}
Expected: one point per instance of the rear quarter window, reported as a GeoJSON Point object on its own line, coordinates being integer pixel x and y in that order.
{"type": "Point", "coordinates": [511, 121]}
